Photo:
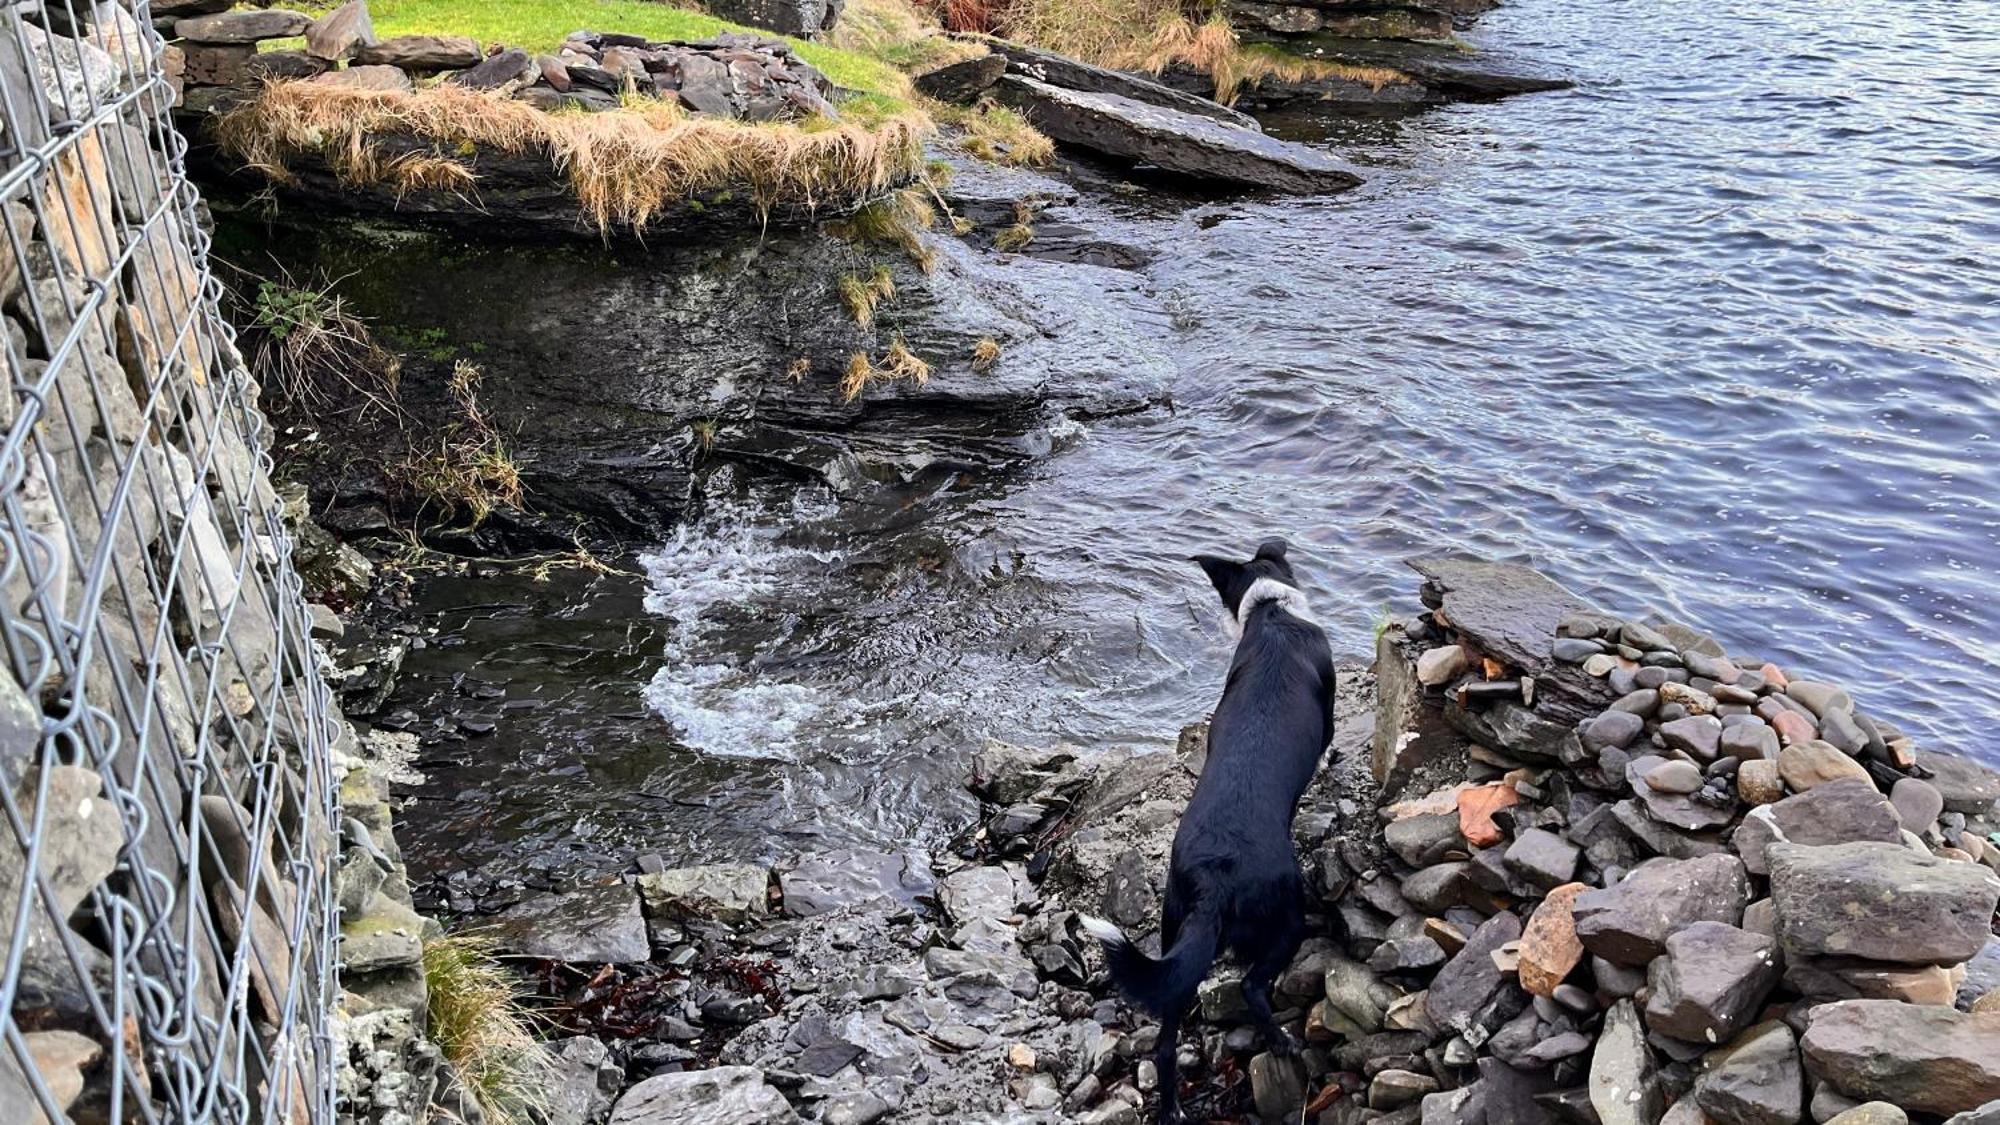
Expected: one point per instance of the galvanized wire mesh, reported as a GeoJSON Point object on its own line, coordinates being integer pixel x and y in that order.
{"type": "Point", "coordinates": [167, 923]}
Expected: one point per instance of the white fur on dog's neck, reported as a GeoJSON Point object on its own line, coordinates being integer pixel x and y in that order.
{"type": "Point", "coordinates": [1289, 599]}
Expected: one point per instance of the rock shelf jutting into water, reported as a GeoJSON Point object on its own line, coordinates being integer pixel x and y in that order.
{"type": "Point", "coordinates": [1546, 887]}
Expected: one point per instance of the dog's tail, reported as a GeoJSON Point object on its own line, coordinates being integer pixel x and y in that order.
{"type": "Point", "coordinates": [1157, 984]}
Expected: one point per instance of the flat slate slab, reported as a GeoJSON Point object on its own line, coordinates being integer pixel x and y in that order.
{"type": "Point", "coordinates": [1182, 143]}
{"type": "Point", "coordinates": [1071, 74]}
{"type": "Point", "coordinates": [594, 925]}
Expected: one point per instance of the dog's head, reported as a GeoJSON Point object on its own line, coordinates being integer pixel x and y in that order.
{"type": "Point", "coordinates": [1233, 580]}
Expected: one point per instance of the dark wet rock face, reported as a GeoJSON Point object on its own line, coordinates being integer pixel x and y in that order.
{"type": "Point", "coordinates": [1059, 70]}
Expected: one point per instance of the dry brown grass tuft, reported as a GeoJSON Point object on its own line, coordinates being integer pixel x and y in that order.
{"type": "Point", "coordinates": [1152, 35]}
{"type": "Point", "coordinates": [898, 363]}
{"type": "Point", "coordinates": [418, 171]}
{"type": "Point", "coordinates": [625, 165]}
{"type": "Point", "coordinates": [476, 1020]}
{"type": "Point", "coordinates": [985, 354]}
{"type": "Point", "coordinates": [995, 133]}
{"type": "Point", "coordinates": [898, 220]}
{"type": "Point", "coordinates": [861, 293]}
{"type": "Point", "coordinates": [899, 34]}
{"type": "Point", "coordinates": [1018, 236]}
{"type": "Point", "coordinates": [313, 353]}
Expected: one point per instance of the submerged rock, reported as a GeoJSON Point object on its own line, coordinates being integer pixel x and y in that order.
{"type": "Point", "coordinates": [595, 924]}
{"type": "Point", "coordinates": [724, 1095]}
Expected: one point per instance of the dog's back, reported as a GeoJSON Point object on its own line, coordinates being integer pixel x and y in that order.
{"type": "Point", "coordinates": [1234, 880]}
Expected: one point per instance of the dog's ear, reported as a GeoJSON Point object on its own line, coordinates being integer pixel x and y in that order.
{"type": "Point", "coordinates": [1272, 550]}
{"type": "Point", "coordinates": [1226, 576]}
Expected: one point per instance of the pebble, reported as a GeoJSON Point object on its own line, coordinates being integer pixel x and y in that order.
{"type": "Point", "coordinates": [1758, 782]}
{"type": "Point", "coordinates": [1675, 777]}
{"type": "Point", "coordinates": [1749, 741]}
{"type": "Point", "coordinates": [1624, 679]}
{"type": "Point", "coordinates": [1696, 702]}
{"type": "Point", "coordinates": [1718, 668]}
{"type": "Point", "coordinates": [1575, 650]}
{"type": "Point", "coordinates": [1440, 666]}
{"type": "Point", "coordinates": [1698, 735]}
{"type": "Point", "coordinates": [1641, 636]}
{"type": "Point", "coordinates": [1811, 763]}
{"type": "Point", "coordinates": [1820, 698]}
{"type": "Point", "coordinates": [1642, 702]}
{"type": "Point", "coordinates": [1793, 728]}
{"type": "Point", "coordinates": [1918, 802]}
{"type": "Point", "coordinates": [1611, 729]}
{"type": "Point", "coordinates": [1600, 665]}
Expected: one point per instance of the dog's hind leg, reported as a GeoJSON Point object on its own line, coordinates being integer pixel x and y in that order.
{"type": "Point", "coordinates": [1281, 945]}
{"type": "Point", "coordinates": [1166, 1060]}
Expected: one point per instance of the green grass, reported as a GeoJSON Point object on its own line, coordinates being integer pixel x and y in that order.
{"type": "Point", "coordinates": [542, 25]}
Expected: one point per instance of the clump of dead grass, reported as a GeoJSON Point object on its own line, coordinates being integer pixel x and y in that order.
{"type": "Point", "coordinates": [994, 133]}
{"type": "Point", "coordinates": [1152, 35]}
{"type": "Point", "coordinates": [985, 354]}
{"type": "Point", "coordinates": [471, 471]}
{"type": "Point", "coordinates": [861, 293]}
{"type": "Point", "coordinates": [477, 1022]}
{"type": "Point", "coordinates": [314, 353]}
{"type": "Point", "coordinates": [897, 220]}
{"type": "Point", "coordinates": [897, 363]}
{"type": "Point", "coordinates": [899, 34]}
{"type": "Point", "coordinates": [625, 165]}
{"type": "Point", "coordinates": [1021, 233]}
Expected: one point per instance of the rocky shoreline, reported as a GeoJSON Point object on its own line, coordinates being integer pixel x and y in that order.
{"type": "Point", "coordinates": [1667, 885]}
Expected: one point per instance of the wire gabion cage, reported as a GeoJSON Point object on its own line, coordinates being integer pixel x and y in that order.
{"type": "Point", "coordinates": [167, 921]}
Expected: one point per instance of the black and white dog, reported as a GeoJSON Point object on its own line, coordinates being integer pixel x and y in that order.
{"type": "Point", "coordinates": [1234, 881]}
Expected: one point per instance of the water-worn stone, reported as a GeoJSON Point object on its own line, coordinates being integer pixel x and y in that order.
{"type": "Point", "coordinates": [727, 892]}
{"type": "Point", "coordinates": [1439, 666]}
{"type": "Point", "coordinates": [1699, 735]}
{"type": "Point", "coordinates": [1677, 810]}
{"type": "Point", "coordinates": [1006, 773]}
{"type": "Point", "coordinates": [1624, 1089]}
{"type": "Point", "coordinates": [1821, 699]}
{"type": "Point", "coordinates": [1611, 730]}
{"type": "Point", "coordinates": [1709, 982]}
{"type": "Point", "coordinates": [1629, 923]}
{"type": "Point", "coordinates": [1549, 945]}
{"type": "Point", "coordinates": [831, 880]}
{"type": "Point", "coordinates": [591, 925]}
{"type": "Point", "coordinates": [366, 78]}
{"type": "Point", "coordinates": [1870, 1113]}
{"type": "Point", "coordinates": [1424, 839]}
{"type": "Point", "coordinates": [1967, 786]}
{"type": "Point", "coordinates": [1917, 1056]}
{"type": "Point", "coordinates": [1838, 812]}
{"type": "Point", "coordinates": [1917, 802]}
{"type": "Point", "coordinates": [1277, 1085]}
{"type": "Point", "coordinates": [1755, 1080]}
{"type": "Point", "coordinates": [1758, 781]}
{"type": "Point", "coordinates": [1467, 982]}
{"type": "Point", "coordinates": [1177, 142]}
{"type": "Point", "coordinates": [1806, 764]}
{"type": "Point", "coordinates": [1880, 901]}
{"type": "Point", "coordinates": [723, 1095]}
{"type": "Point", "coordinates": [1676, 777]}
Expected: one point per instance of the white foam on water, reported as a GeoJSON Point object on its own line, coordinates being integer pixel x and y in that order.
{"type": "Point", "coordinates": [725, 705]}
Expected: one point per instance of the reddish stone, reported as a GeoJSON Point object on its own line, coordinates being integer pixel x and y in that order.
{"type": "Point", "coordinates": [1793, 728]}
{"type": "Point", "coordinates": [1549, 946]}
{"type": "Point", "coordinates": [1475, 812]}
{"type": "Point", "coordinates": [1774, 676]}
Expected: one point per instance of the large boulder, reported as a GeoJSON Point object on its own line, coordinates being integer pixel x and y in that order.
{"type": "Point", "coordinates": [421, 52]}
{"type": "Point", "coordinates": [787, 17]}
{"type": "Point", "coordinates": [723, 1095]}
{"type": "Point", "coordinates": [1629, 923]}
{"type": "Point", "coordinates": [1173, 141]}
{"type": "Point", "coordinates": [1838, 812]}
{"type": "Point", "coordinates": [1918, 1056]}
{"type": "Point", "coordinates": [1883, 902]}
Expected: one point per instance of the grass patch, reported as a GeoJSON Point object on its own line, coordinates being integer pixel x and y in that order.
{"type": "Point", "coordinates": [625, 165]}
{"type": "Point", "coordinates": [471, 471]}
{"type": "Point", "coordinates": [477, 1022]}
{"type": "Point", "coordinates": [861, 293]}
{"type": "Point", "coordinates": [897, 33]}
{"type": "Point", "coordinates": [994, 133]}
{"type": "Point", "coordinates": [542, 25]}
{"type": "Point", "coordinates": [898, 363]}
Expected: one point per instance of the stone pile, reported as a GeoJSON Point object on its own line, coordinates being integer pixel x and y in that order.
{"type": "Point", "coordinates": [1632, 876]}
{"type": "Point", "coordinates": [1541, 894]}
{"type": "Point", "coordinates": [738, 76]}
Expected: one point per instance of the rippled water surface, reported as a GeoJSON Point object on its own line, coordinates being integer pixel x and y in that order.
{"type": "Point", "coordinates": [1716, 334]}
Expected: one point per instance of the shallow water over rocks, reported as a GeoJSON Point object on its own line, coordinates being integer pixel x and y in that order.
{"type": "Point", "coordinates": [1713, 334]}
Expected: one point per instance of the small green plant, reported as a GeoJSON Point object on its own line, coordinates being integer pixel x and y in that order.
{"type": "Point", "coordinates": [479, 1026]}
{"type": "Point", "coordinates": [899, 220]}
{"type": "Point", "coordinates": [314, 353]}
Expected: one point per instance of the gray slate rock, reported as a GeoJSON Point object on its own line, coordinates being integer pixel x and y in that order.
{"type": "Point", "coordinates": [1883, 902]}
{"type": "Point", "coordinates": [1844, 811]}
{"type": "Point", "coordinates": [962, 83]}
{"type": "Point", "coordinates": [1755, 1080]}
{"type": "Point", "coordinates": [245, 26]}
{"type": "Point", "coordinates": [723, 1095]}
{"type": "Point", "coordinates": [1918, 1056]}
{"type": "Point", "coordinates": [1071, 74]}
{"type": "Point", "coordinates": [507, 71]}
{"type": "Point", "coordinates": [1710, 982]}
{"type": "Point", "coordinates": [1465, 985]}
{"type": "Point", "coordinates": [583, 1080]}
{"type": "Point", "coordinates": [1967, 786]}
{"type": "Point", "coordinates": [590, 926]}
{"type": "Point", "coordinates": [1624, 1089]}
{"type": "Point", "coordinates": [1543, 858]}
{"type": "Point", "coordinates": [1629, 923]}
{"type": "Point", "coordinates": [1174, 141]}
